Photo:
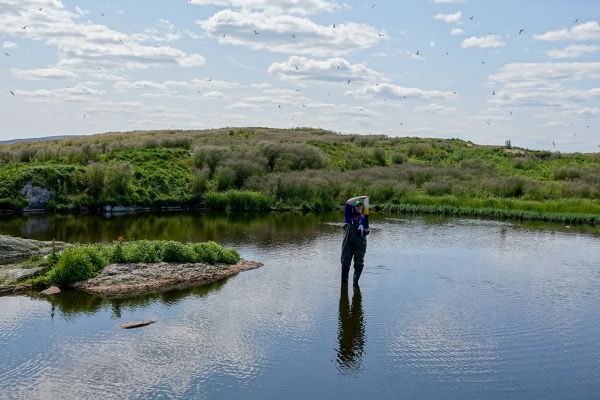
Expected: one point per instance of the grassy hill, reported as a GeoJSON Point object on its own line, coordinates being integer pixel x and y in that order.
{"type": "Point", "coordinates": [260, 168]}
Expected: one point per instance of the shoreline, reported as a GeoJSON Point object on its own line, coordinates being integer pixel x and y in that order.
{"type": "Point", "coordinates": [515, 214]}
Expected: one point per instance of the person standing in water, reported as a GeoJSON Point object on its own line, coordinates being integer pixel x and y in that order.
{"type": "Point", "coordinates": [356, 229]}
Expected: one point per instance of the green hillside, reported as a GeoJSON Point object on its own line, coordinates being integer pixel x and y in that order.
{"type": "Point", "coordinates": [261, 168]}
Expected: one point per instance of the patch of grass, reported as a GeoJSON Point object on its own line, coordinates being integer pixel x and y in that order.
{"type": "Point", "coordinates": [83, 262]}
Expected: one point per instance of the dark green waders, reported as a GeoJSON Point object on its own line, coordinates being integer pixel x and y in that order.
{"type": "Point", "coordinates": [354, 245]}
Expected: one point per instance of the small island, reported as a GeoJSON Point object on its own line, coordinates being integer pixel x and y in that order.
{"type": "Point", "coordinates": [119, 269]}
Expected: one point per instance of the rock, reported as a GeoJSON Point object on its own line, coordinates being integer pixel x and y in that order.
{"type": "Point", "coordinates": [137, 324]}
{"type": "Point", "coordinates": [50, 291]}
{"type": "Point", "coordinates": [10, 276]}
{"type": "Point", "coordinates": [15, 249]}
{"type": "Point", "coordinates": [37, 196]}
{"type": "Point", "coordinates": [128, 280]}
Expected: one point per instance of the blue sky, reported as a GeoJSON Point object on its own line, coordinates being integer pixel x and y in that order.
{"type": "Point", "coordinates": [485, 71]}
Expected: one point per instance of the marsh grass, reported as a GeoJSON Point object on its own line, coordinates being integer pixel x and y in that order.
{"type": "Point", "coordinates": [304, 168]}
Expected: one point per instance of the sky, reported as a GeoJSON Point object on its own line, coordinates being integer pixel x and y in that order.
{"type": "Point", "coordinates": [486, 71]}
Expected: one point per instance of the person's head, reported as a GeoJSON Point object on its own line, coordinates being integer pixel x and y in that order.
{"type": "Point", "coordinates": [357, 207]}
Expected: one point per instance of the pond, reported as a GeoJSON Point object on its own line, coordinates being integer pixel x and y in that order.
{"type": "Point", "coordinates": [448, 309]}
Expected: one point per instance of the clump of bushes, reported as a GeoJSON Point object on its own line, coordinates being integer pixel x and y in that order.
{"type": "Point", "coordinates": [83, 262]}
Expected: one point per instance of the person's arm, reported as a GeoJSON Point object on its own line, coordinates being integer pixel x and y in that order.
{"type": "Point", "coordinates": [350, 201]}
{"type": "Point", "coordinates": [348, 213]}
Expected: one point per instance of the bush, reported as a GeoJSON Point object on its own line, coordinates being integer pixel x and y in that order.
{"type": "Point", "coordinates": [568, 173]}
{"type": "Point", "coordinates": [437, 188]}
{"type": "Point", "coordinates": [210, 157]}
{"type": "Point", "coordinates": [76, 264]}
{"type": "Point", "coordinates": [398, 158]}
{"type": "Point", "coordinates": [379, 156]}
{"type": "Point", "coordinates": [172, 251]}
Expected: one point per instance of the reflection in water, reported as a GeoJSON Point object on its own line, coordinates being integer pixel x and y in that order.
{"type": "Point", "coordinates": [261, 229]}
{"type": "Point", "coordinates": [351, 331]}
{"type": "Point", "coordinates": [71, 303]}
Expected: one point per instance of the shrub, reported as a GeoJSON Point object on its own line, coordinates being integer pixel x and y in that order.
{"type": "Point", "coordinates": [225, 177]}
{"type": "Point", "coordinates": [76, 264]}
{"type": "Point", "coordinates": [95, 179]}
{"type": "Point", "coordinates": [398, 158]}
{"type": "Point", "coordinates": [568, 173]}
{"type": "Point", "coordinates": [117, 178]}
{"type": "Point", "coordinates": [419, 150]}
{"type": "Point", "coordinates": [210, 157]}
{"type": "Point", "coordinates": [437, 188]}
{"type": "Point", "coordinates": [379, 156]}
{"type": "Point", "coordinates": [172, 251]}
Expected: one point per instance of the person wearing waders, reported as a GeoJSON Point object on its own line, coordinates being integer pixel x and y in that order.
{"type": "Point", "coordinates": [356, 229]}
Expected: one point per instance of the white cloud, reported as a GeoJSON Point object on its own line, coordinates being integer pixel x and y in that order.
{"type": "Point", "coordinates": [434, 108]}
{"type": "Point", "coordinates": [552, 88]}
{"type": "Point", "coordinates": [531, 72]}
{"type": "Point", "coordinates": [457, 32]}
{"type": "Point", "coordinates": [9, 45]}
{"type": "Point", "coordinates": [336, 70]}
{"type": "Point", "coordinates": [43, 73]}
{"type": "Point", "coordinates": [125, 86]}
{"type": "Point", "coordinates": [215, 94]}
{"type": "Point", "coordinates": [449, 18]}
{"type": "Point", "coordinates": [266, 31]}
{"type": "Point", "coordinates": [586, 31]}
{"type": "Point", "coordinates": [164, 31]}
{"type": "Point", "coordinates": [392, 91]}
{"type": "Point", "coordinates": [573, 51]}
{"type": "Point", "coordinates": [85, 44]}
{"type": "Point", "coordinates": [79, 93]}
{"type": "Point", "coordinates": [483, 42]}
{"type": "Point", "coordinates": [294, 7]}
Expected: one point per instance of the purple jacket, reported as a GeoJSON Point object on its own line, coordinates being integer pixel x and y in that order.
{"type": "Point", "coordinates": [361, 220]}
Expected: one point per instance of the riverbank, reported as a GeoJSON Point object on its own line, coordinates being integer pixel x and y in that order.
{"type": "Point", "coordinates": [258, 169]}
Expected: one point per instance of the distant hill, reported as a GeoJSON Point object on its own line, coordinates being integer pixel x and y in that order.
{"type": "Point", "coordinates": [38, 139]}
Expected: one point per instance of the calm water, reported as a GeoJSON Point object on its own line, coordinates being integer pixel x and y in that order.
{"type": "Point", "coordinates": [448, 309]}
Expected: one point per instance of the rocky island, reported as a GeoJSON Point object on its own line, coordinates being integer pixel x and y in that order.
{"type": "Point", "coordinates": [114, 270]}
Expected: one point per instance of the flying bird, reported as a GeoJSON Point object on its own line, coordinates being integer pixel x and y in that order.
{"type": "Point", "coordinates": [24, 27]}
{"type": "Point", "coordinates": [41, 8]}
{"type": "Point", "coordinates": [494, 93]}
{"type": "Point", "coordinates": [255, 32]}
{"type": "Point", "coordinates": [471, 17]}
{"type": "Point", "coordinates": [373, 6]}
{"type": "Point", "coordinates": [521, 31]}
{"type": "Point", "coordinates": [417, 52]}
{"type": "Point", "coordinates": [295, 66]}
{"type": "Point", "coordinates": [223, 35]}
{"type": "Point", "coordinates": [553, 144]}
{"type": "Point", "coordinates": [380, 34]}
{"type": "Point", "coordinates": [576, 20]}
{"type": "Point", "coordinates": [347, 83]}
{"type": "Point", "coordinates": [6, 54]}
{"type": "Point", "coordinates": [293, 35]}
{"type": "Point", "coordinates": [333, 25]}
{"type": "Point", "coordinates": [11, 92]}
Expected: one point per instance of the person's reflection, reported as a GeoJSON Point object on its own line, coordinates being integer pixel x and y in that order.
{"type": "Point", "coordinates": [351, 333]}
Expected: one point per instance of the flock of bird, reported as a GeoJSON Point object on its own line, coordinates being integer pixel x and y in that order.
{"type": "Point", "coordinates": [418, 53]}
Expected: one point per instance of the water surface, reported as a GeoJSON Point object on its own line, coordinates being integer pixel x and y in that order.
{"type": "Point", "coordinates": [448, 309]}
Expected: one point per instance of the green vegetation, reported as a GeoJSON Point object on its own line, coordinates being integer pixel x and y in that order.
{"type": "Point", "coordinates": [303, 168]}
{"type": "Point", "coordinates": [83, 262]}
